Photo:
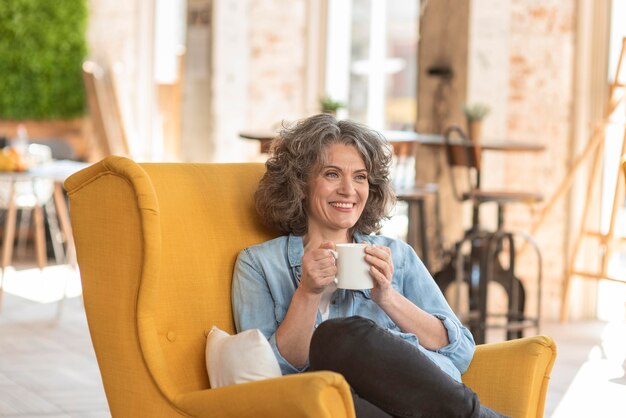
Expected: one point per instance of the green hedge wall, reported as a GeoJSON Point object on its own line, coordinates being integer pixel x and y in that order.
{"type": "Point", "coordinates": [42, 47]}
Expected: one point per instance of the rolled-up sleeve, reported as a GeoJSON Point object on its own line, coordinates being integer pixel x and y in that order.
{"type": "Point", "coordinates": [285, 366]}
{"type": "Point", "coordinates": [254, 305]}
{"type": "Point", "coordinates": [461, 345]}
{"type": "Point", "coordinates": [420, 287]}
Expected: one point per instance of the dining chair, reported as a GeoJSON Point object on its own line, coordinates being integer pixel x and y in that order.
{"type": "Point", "coordinates": [487, 248]}
{"type": "Point", "coordinates": [104, 110]}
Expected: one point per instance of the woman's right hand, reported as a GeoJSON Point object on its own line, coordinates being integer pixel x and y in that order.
{"type": "Point", "coordinates": [318, 268]}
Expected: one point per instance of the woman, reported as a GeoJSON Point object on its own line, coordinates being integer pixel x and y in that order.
{"type": "Point", "coordinates": [399, 345]}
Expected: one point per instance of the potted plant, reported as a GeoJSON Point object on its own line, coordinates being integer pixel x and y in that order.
{"type": "Point", "coordinates": [474, 114]}
{"type": "Point", "coordinates": [328, 105]}
{"type": "Point", "coordinates": [42, 47]}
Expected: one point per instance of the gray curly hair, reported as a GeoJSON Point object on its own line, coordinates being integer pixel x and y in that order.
{"type": "Point", "coordinates": [299, 149]}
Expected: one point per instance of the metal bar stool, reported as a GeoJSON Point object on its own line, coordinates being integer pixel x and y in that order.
{"type": "Point", "coordinates": [483, 263]}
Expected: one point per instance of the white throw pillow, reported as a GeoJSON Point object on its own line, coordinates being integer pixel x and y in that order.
{"type": "Point", "coordinates": [244, 357]}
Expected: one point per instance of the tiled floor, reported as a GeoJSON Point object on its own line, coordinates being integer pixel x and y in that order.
{"type": "Point", "coordinates": [48, 368]}
{"type": "Point", "coordinates": [47, 365]}
{"type": "Point", "coordinates": [588, 377]}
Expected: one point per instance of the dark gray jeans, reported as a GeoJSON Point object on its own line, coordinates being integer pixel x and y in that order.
{"type": "Point", "coordinates": [389, 376]}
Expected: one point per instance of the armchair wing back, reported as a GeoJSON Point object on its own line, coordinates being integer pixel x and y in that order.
{"type": "Point", "coordinates": [156, 245]}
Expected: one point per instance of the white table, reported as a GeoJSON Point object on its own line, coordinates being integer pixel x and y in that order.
{"type": "Point", "coordinates": [57, 172]}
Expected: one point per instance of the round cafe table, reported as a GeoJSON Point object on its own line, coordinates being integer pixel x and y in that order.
{"type": "Point", "coordinates": [434, 140]}
{"type": "Point", "coordinates": [402, 139]}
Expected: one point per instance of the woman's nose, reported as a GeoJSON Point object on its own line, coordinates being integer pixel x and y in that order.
{"type": "Point", "coordinates": [346, 186]}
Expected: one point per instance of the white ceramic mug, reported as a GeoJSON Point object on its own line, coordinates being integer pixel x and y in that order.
{"type": "Point", "coordinates": [353, 272]}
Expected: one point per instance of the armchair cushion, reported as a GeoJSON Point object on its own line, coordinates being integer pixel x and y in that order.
{"type": "Point", "coordinates": [239, 358]}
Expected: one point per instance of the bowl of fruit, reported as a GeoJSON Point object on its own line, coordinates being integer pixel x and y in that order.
{"type": "Point", "coordinates": [11, 160]}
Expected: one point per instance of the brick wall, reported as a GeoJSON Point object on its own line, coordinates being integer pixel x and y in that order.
{"type": "Point", "coordinates": [540, 109]}
{"type": "Point", "coordinates": [258, 73]}
{"type": "Point", "coordinates": [277, 36]}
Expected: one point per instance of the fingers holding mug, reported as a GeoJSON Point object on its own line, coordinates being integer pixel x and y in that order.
{"type": "Point", "coordinates": [318, 270]}
{"type": "Point", "coordinates": [379, 257]}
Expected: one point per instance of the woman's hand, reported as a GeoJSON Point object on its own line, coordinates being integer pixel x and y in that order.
{"type": "Point", "coordinates": [318, 268]}
{"type": "Point", "coordinates": [429, 329]}
{"type": "Point", "coordinates": [381, 269]}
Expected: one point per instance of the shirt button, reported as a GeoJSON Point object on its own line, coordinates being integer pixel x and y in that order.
{"type": "Point", "coordinates": [332, 302]}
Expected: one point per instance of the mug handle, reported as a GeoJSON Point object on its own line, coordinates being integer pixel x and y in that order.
{"type": "Point", "coordinates": [335, 255]}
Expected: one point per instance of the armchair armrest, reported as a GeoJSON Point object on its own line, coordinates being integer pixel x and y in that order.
{"type": "Point", "coordinates": [512, 376]}
{"type": "Point", "coordinates": [315, 394]}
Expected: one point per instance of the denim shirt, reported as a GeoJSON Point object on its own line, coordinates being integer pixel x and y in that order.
{"type": "Point", "coordinates": [267, 275]}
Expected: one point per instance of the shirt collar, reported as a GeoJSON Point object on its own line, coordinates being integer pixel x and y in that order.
{"type": "Point", "coordinates": [295, 250]}
{"type": "Point", "coordinates": [358, 237]}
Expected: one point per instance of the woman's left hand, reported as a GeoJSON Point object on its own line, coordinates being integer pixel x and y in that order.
{"type": "Point", "coordinates": [381, 269]}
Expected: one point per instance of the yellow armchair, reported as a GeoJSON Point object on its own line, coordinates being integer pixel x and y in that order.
{"type": "Point", "coordinates": [156, 245]}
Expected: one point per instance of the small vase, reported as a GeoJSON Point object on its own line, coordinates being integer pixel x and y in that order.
{"type": "Point", "coordinates": [474, 128]}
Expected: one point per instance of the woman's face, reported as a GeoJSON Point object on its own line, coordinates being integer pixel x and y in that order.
{"type": "Point", "coordinates": [338, 192]}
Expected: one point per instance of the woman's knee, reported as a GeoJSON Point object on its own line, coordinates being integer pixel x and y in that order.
{"type": "Point", "coordinates": [337, 338]}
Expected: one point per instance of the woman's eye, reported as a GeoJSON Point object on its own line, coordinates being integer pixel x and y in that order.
{"type": "Point", "coordinates": [361, 177]}
{"type": "Point", "coordinates": [332, 174]}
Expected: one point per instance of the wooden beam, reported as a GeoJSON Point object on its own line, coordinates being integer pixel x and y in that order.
{"type": "Point", "coordinates": [596, 276]}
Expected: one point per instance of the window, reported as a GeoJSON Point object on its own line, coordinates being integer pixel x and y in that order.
{"type": "Point", "coordinates": [371, 60]}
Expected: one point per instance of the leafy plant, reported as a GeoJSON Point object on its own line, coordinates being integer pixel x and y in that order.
{"type": "Point", "coordinates": [328, 105]}
{"type": "Point", "coordinates": [42, 47]}
{"type": "Point", "coordinates": [476, 111]}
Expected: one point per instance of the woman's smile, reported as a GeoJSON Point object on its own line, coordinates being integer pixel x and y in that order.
{"type": "Point", "coordinates": [344, 206]}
